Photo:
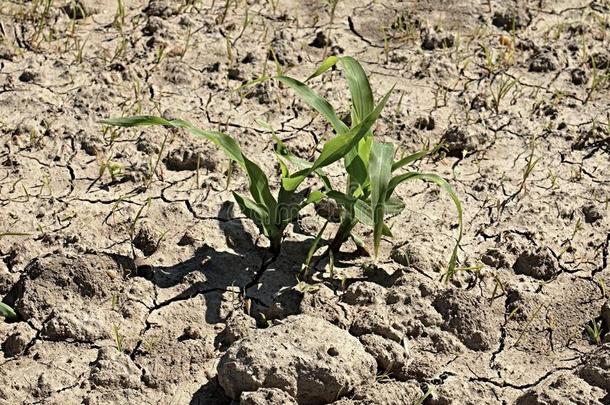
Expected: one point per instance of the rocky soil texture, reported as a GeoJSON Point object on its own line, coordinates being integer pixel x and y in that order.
{"type": "Point", "coordinates": [137, 280]}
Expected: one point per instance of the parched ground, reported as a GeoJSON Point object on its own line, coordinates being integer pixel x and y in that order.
{"type": "Point", "coordinates": [133, 273]}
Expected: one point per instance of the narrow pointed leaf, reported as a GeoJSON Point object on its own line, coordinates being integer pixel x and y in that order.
{"type": "Point", "coordinates": [338, 146]}
{"type": "Point", "coordinates": [380, 172]}
{"type": "Point", "coordinates": [259, 187]}
{"type": "Point", "coordinates": [283, 153]}
{"type": "Point", "coordinates": [252, 210]}
{"type": "Point", "coordinates": [360, 88]}
{"type": "Point", "coordinates": [313, 248]}
{"type": "Point", "coordinates": [316, 102]}
{"type": "Point", "coordinates": [225, 142]}
{"type": "Point", "coordinates": [327, 64]}
{"type": "Point", "coordinates": [409, 159]}
{"type": "Point", "coordinates": [6, 311]}
{"type": "Point", "coordinates": [446, 187]}
{"type": "Point", "coordinates": [362, 210]}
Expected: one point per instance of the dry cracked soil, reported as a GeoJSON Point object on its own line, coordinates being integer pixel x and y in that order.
{"type": "Point", "coordinates": [136, 279]}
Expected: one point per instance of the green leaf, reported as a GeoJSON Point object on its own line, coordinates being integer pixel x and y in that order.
{"type": "Point", "coordinates": [225, 142]}
{"type": "Point", "coordinates": [339, 146]}
{"type": "Point", "coordinates": [312, 249]}
{"type": "Point", "coordinates": [446, 187]}
{"type": "Point", "coordinates": [409, 159]}
{"type": "Point", "coordinates": [257, 213]}
{"type": "Point", "coordinates": [259, 184]}
{"type": "Point", "coordinates": [6, 311]}
{"type": "Point", "coordinates": [362, 210]}
{"type": "Point", "coordinates": [316, 102]}
{"type": "Point", "coordinates": [259, 187]}
{"type": "Point", "coordinates": [394, 205]}
{"type": "Point", "coordinates": [360, 89]}
{"type": "Point", "coordinates": [380, 172]}
{"type": "Point", "coordinates": [283, 153]}
{"type": "Point", "coordinates": [327, 64]}
{"type": "Point", "coordinates": [356, 161]}
{"type": "Point", "coordinates": [314, 197]}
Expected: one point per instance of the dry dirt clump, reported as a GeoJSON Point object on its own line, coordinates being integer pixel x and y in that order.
{"type": "Point", "coordinates": [310, 359]}
{"type": "Point", "coordinates": [136, 279]}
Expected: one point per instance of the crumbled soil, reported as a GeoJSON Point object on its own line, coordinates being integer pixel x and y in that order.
{"type": "Point", "coordinates": [133, 273]}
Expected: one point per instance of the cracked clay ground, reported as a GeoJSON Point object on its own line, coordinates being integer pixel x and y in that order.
{"type": "Point", "coordinates": [136, 279]}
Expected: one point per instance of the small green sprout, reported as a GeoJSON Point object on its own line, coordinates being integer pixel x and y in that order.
{"type": "Point", "coordinates": [118, 338]}
{"type": "Point", "coordinates": [594, 330]}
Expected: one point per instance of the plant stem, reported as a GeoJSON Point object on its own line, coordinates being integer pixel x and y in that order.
{"type": "Point", "coordinates": [343, 233]}
{"type": "Point", "coordinates": [275, 245]}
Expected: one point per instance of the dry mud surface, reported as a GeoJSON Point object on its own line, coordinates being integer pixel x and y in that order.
{"type": "Point", "coordinates": [137, 280]}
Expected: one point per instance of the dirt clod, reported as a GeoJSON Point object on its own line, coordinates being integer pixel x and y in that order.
{"type": "Point", "coordinates": [18, 337]}
{"type": "Point", "coordinates": [509, 19]}
{"type": "Point", "coordinates": [596, 369]}
{"type": "Point", "coordinates": [542, 63]}
{"type": "Point", "coordinates": [320, 40]}
{"type": "Point", "coordinates": [69, 326]}
{"type": "Point", "coordinates": [578, 76]}
{"type": "Point", "coordinates": [161, 8]}
{"type": "Point", "coordinates": [146, 239]}
{"type": "Point", "coordinates": [266, 396]}
{"type": "Point", "coordinates": [458, 141]}
{"type": "Point", "coordinates": [189, 159]}
{"type": "Point", "coordinates": [301, 365]}
{"type": "Point", "coordinates": [392, 357]}
{"type": "Point", "coordinates": [478, 330]}
{"type": "Point", "coordinates": [599, 61]}
{"type": "Point", "coordinates": [237, 326]}
{"type": "Point", "coordinates": [564, 388]}
{"type": "Point", "coordinates": [539, 263]}
{"type": "Point", "coordinates": [592, 213]}
{"type": "Point", "coordinates": [27, 76]}
{"type": "Point", "coordinates": [431, 39]}
{"type": "Point", "coordinates": [113, 369]}
{"type": "Point", "coordinates": [364, 293]}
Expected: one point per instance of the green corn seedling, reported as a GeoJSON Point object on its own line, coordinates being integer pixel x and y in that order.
{"type": "Point", "coordinates": [271, 214]}
{"type": "Point", "coordinates": [371, 169]}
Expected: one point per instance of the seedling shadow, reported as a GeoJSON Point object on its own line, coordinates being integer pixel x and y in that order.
{"type": "Point", "coordinates": [244, 274]}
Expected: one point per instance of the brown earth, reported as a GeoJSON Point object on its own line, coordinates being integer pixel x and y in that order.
{"type": "Point", "coordinates": [137, 280]}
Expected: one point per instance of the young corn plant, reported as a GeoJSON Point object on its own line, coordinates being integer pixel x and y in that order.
{"type": "Point", "coordinates": [372, 170]}
{"type": "Point", "coordinates": [271, 214]}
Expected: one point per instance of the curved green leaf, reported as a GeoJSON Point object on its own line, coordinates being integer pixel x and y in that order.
{"type": "Point", "coordinates": [360, 89]}
{"type": "Point", "coordinates": [337, 147]}
{"type": "Point", "coordinates": [225, 142]}
{"type": "Point", "coordinates": [446, 187]}
{"type": "Point", "coordinates": [327, 64]}
{"type": "Point", "coordinates": [361, 209]}
{"type": "Point", "coordinates": [6, 311]}
{"type": "Point", "coordinates": [312, 249]}
{"type": "Point", "coordinates": [316, 102]}
{"type": "Point", "coordinates": [409, 159]}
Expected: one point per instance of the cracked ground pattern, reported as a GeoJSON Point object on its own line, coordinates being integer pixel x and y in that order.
{"type": "Point", "coordinates": [132, 271]}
